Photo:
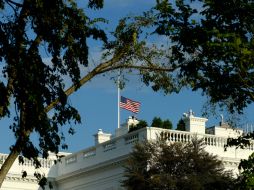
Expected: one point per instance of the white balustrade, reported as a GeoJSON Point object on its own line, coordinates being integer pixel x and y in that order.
{"type": "Point", "coordinates": [131, 139]}
{"type": "Point", "coordinates": [3, 157]}
{"type": "Point", "coordinates": [182, 136]}
{"type": "Point", "coordinates": [45, 163]}
{"type": "Point", "coordinates": [116, 146]}
{"type": "Point", "coordinates": [71, 159]}
{"type": "Point", "coordinates": [89, 153]}
{"type": "Point", "coordinates": [109, 146]}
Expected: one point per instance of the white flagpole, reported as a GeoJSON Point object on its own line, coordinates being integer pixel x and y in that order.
{"type": "Point", "coordinates": [118, 100]}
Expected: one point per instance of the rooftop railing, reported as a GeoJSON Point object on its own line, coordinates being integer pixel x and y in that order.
{"type": "Point", "coordinates": [3, 157]}
{"type": "Point", "coordinates": [143, 134]}
{"type": "Point", "coordinates": [45, 163]}
{"type": "Point", "coordinates": [121, 146]}
{"type": "Point", "coordinates": [183, 136]}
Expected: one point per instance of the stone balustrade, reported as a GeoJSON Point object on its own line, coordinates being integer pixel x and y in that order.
{"type": "Point", "coordinates": [45, 163]}
{"type": "Point", "coordinates": [3, 158]}
{"type": "Point", "coordinates": [122, 146]}
{"type": "Point", "coordinates": [182, 136]}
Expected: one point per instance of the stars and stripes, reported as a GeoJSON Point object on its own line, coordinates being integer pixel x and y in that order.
{"type": "Point", "coordinates": [129, 104]}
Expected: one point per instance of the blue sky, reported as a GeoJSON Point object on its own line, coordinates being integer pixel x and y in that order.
{"type": "Point", "coordinates": [97, 101]}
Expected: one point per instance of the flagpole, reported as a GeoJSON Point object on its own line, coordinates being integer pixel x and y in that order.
{"type": "Point", "coordinates": [118, 100]}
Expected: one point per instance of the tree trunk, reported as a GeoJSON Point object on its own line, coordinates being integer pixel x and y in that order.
{"type": "Point", "coordinates": [15, 152]}
{"type": "Point", "coordinates": [7, 165]}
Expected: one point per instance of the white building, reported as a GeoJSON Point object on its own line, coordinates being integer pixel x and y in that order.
{"type": "Point", "coordinates": [100, 167]}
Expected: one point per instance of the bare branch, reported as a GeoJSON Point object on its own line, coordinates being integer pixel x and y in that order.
{"type": "Point", "coordinates": [139, 67]}
{"type": "Point", "coordinates": [101, 68]}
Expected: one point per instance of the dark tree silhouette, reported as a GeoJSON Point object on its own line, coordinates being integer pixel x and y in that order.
{"type": "Point", "coordinates": [158, 165]}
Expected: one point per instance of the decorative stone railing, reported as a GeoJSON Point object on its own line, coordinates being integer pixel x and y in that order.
{"type": "Point", "coordinates": [209, 140]}
{"type": "Point", "coordinates": [71, 159]}
{"type": "Point", "coordinates": [182, 136]}
{"type": "Point", "coordinates": [118, 147]}
{"type": "Point", "coordinates": [176, 136]}
{"type": "Point", "coordinates": [3, 157]}
{"type": "Point", "coordinates": [45, 163]}
{"type": "Point", "coordinates": [109, 146]}
{"type": "Point", "coordinates": [121, 146]}
{"type": "Point", "coordinates": [89, 153]}
{"type": "Point", "coordinates": [131, 139]}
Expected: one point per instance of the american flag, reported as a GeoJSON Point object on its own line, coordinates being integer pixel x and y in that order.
{"type": "Point", "coordinates": [129, 104]}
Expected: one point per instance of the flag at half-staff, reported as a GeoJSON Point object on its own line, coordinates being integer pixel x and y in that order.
{"type": "Point", "coordinates": [129, 104]}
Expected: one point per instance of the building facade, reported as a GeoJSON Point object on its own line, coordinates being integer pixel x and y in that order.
{"type": "Point", "coordinates": [100, 167]}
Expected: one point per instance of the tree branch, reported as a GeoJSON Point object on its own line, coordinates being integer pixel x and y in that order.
{"type": "Point", "coordinates": [101, 68]}
{"type": "Point", "coordinates": [14, 3]}
{"type": "Point", "coordinates": [139, 67]}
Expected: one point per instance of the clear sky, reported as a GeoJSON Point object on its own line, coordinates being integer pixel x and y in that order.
{"type": "Point", "coordinates": [97, 101]}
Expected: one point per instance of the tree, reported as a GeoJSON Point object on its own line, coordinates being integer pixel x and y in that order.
{"type": "Point", "coordinates": [141, 124]}
{"type": "Point", "coordinates": [219, 57]}
{"type": "Point", "coordinates": [246, 167]}
{"type": "Point", "coordinates": [213, 43]}
{"type": "Point", "coordinates": [36, 86]}
{"type": "Point", "coordinates": [159, 165]}
{"type": "Point", "coordinates": [33, 84]}
{"type": "Point", "coordinates": [181, 125]}
{"type": "Point", "coordinates": [157, 122]}
{"type": "Point", "coordinates": [167, 124]}
{"type": "Point", "coordinates": [59, 29]}
{"type": "Point", "coordinates": [246, 177]}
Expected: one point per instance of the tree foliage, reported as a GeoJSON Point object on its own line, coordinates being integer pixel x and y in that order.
{"type": "Point", "coordinates": [58, 30]}
{"type": "Point", "coordinates": [246, 177]}
{"type": "Point", "coordinates": [141, 124]}
{"type": "Point", "coordinates": [181, 125]}
{"type": "Point", "coordinates": [212, 45]}
{"type": "Point", "coordinates": [212, 41]}
{"type": "Point", "coordinates": [62, 29]}
{"type": "Point", "coordinates": [158, 122]}
{"type": "Point", "coordinates": [246, 166]}
{"type": "Point", "coordinates": [167, 124]}
{"type": "Point", "coordinates": [158, 165]}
